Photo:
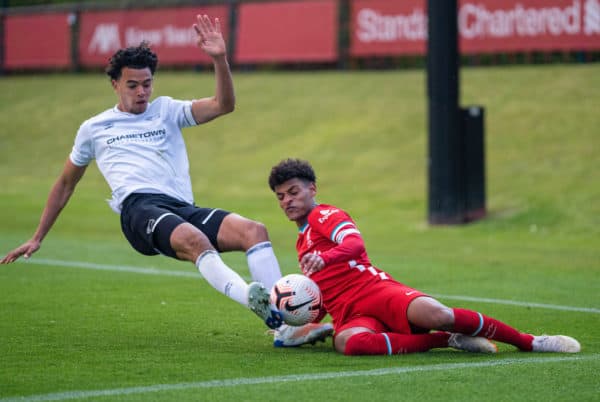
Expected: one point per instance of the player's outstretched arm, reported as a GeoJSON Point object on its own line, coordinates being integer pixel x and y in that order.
{"type": "Point", "coordinates": [57, 199]}
{"type": "Point", "coordinates": [210, 40]}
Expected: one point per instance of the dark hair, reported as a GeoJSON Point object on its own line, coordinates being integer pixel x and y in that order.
{"type": "Point", "coordinates": [133, 57]}
{"type": "Point", "coordinates": [289, 169]}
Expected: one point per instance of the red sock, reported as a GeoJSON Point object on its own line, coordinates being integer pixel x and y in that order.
{"type": "Point", "coordinates": [472, 323]}
{"type": "Point", "coordinates": [385, 343]}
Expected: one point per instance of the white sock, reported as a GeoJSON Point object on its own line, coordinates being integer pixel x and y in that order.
{"type": "Point", "coordinates": [221, 277]}
{"type": "Point", "coordinates": [263, 264]}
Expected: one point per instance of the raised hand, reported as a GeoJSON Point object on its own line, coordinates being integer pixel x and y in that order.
{"type": "Point", "coordinates": [209, 37]}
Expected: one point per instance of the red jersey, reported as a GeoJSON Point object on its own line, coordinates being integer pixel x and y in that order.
{"type": "Point", "coordinates": [348, 274]}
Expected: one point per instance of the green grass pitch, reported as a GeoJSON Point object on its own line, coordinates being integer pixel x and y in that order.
{"type": "Point", "coordinates": [89, 319]}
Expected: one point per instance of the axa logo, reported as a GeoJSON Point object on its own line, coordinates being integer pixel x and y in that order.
{"type": "Point", "coordinates": [106, 39]}
{"type": "Point", "coordinates": [326, 213]}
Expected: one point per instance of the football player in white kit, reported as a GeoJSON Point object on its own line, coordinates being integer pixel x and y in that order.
{"type": "Point", "coordinates": [139, 148]}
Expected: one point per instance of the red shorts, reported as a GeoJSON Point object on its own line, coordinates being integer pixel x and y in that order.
{"type": "Point", "coordinates": [383, 309]}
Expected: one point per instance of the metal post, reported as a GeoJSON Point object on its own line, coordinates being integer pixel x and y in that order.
{"type": "Point", "coordinates": [446, 195]}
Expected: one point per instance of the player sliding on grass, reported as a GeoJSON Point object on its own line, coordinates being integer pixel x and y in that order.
{"type": "Point", "coordinates": [373, 314]}
{"type": "Point", "coordinates": [139, 148]}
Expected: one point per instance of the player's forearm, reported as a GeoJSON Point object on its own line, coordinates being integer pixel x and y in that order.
{"type": "Point", "coordinates": [57, 199]}
{"type": "Point", "coordinates": [225, 94]}
{"type": "Point", "coordinates": [351, 248]}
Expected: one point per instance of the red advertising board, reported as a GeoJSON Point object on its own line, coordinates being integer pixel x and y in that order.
{"type": "Point", "coordinates": [168, 30]}
{"type": "Point", "coordinates": [37, 41]}
{"type": "Point", "coordinates": [287, 31]}
{"type": "Point", "coordinates": [381, 27]}
{"type": "Point", "coordinates": [525, 25]}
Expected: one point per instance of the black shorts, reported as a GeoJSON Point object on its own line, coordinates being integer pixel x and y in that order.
{"type": "Point", "coordinates": [147, 220]}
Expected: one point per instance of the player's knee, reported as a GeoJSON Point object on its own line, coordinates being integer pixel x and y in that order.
{"type": "Point", "coordinates": [442, 318]}
{"type": "Point", "coordinates": [195, 242]}
{"type": "Point", "coordinates": [428, 313]}
{"type": "Point", "coordinates": [255, 232]}
{"type": "Point", "coordinates": [188, 242]}
{"type": "Point", "coordinates": [240, 233]}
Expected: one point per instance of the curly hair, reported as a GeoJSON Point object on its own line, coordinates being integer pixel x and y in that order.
{"type": "Point", "coordinates": [289, 169]}
{"type": "Point", "coordinates": [133, 57]}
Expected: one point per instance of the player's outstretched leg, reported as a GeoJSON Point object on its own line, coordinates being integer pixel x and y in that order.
{"type": "Point", "coordinates": [476, 324]}
{"type": "Point", "coordinates": [474, 344]}
{"type": "Point", "coordinates": [555, 343]}
{"type": "Point", "coordinates": [258, 301]}
{"type": "Point", "coordinates": [289, 336]}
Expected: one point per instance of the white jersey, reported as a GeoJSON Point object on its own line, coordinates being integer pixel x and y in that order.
{"type": "Point", "coordinates": [139, 152]}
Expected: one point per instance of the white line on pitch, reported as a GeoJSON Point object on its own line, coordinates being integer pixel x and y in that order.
{"type": "Point", "coordinates": [235, 382]}
{"type": "Point", "coordinates": [107, 267]}
{"type": "Point", "coordinates": [521, 304]}
{"type": "Point", "coordinates": [156, 271]}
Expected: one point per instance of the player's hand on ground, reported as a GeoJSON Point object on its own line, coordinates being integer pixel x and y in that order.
{"type": "Point", "coordinates": [209, 37]}
{"type": "Point", "coordinates": [24, 250]}
{"type": "Point", "coordinates": [311, 263]}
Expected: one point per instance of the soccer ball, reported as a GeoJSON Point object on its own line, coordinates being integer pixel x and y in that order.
{"type": "Point", "coordinates": [298, 298]}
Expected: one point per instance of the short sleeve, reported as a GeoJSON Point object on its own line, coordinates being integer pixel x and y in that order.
{"type": "Point", "coordinates": [180, 111]}
{"type": "Point", "coordinates": [83, 151]}
{"type": "Point", "coordinates": [333, 223]}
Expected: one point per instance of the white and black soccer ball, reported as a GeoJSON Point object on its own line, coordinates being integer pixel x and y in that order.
{"type": "Point", "coordinates": [298, 298]}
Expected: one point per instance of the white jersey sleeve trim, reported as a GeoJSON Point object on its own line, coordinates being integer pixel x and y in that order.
{"type": "Point", "coordinates": [189, 116]}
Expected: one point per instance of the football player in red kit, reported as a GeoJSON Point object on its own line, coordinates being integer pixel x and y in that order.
{"type": "Point", "coordinates": [373, 314]}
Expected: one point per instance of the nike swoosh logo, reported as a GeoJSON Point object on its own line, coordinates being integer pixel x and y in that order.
{"type": "Point", "coordinates": [290, 307]}
{"type": "Point", "coordinates": [410, 293]}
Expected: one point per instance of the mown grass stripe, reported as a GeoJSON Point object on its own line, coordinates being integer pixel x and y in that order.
{"type": "Point", "coordinates": [235, 382]}
{"type": "Point", "coordinates": [156, 271]}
